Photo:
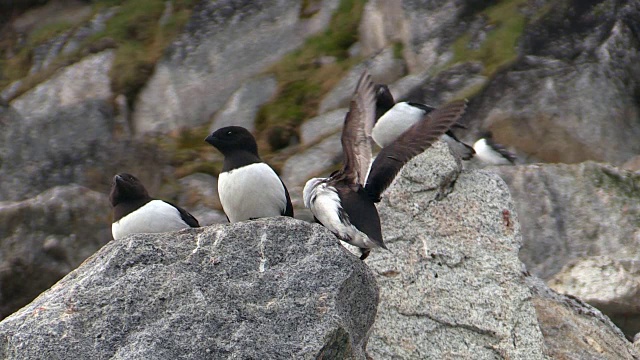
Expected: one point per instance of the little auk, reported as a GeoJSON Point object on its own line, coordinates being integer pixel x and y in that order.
{"type": "Point", "coordinates": [492, 153]}
{"type": "Point", "coordinates": [134, 211]}
{"type": "Point", "coordinates": [248, 188]}
{"type": "Point", "coordinates": [344, 202]}
{"type": "Point", "coordinates": [394, 118]}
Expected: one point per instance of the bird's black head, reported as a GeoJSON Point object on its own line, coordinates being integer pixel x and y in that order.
{"type": "Point", "coordinates": [384, 99]}
{"type": "Point", "coordinates": [486, 134]}
{"type": "Point", "coordinates": [126, 187]}
{"type": "Point", "coordinates": [233, 138]}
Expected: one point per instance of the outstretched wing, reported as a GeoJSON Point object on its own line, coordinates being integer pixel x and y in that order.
{"type": "Point", "coordinates": [356, 132]}
{"type": "Point", "coordinates": [411, 143]}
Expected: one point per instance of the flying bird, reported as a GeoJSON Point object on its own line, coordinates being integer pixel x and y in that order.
{"type": "Point", "coordinates": [492, 153]}
{"type": "Point", "coordinates": [248, 188]}
{"type": "Point", "coordinates": [394, 118]}
{"type": "Point", "coordinates": [345, 201]}
{"type": "Point", "coordinates": [134, 211]}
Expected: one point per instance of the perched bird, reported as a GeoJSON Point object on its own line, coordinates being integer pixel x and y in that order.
{"type": "Point", "coordinates": [134, 211]}
{"type": "Point", "coordinates": [248, 188]}
{"type": "Point", "coordinates": [492, 153]}
{"type": "Point", "coordinates": [393, 119]}
{"type": "Point", "coordinates": [345, 201]}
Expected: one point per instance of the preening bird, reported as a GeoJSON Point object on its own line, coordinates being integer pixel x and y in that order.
{"type": "Point", "coordinates": [345, 201]}
{"type": "Point", "coordinates": [492, 153]}
{"type": "Point", "coordinates": [134, 211]}
{"type": "Point", "coordinates": [394, 118]}
{"type": "Point", "coordinates": [248, 188]}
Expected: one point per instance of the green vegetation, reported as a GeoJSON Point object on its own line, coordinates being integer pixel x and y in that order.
{"type": "Point", "coordinates": [302, 81]}
{"type": "Point", "coordinates": [398, 49]}
{"type": "Point", "coordinates": [187, 152]}
{"type": "Point", "coordinates": [141, 39]}
{"type": "Point", "coordinates": [135, 31]}
{"type": "Point", "coordinates": [499, 47]}
{"type": "Point", "coordinates": [17, 67]}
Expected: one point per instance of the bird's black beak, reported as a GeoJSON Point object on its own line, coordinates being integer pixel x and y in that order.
{"type": "Point", "coordinates": [118, 179]}
{"type": "Point", "coordinates": [210, 139]}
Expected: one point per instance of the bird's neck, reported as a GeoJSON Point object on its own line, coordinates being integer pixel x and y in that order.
{"type": "Point", "coordinates": [125, 208]}
{"type": "Point", "coordinates": [238, 159]}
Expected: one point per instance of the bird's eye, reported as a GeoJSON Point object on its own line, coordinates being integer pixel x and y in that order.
{"type": "Point", "coordinates": [229, 132]}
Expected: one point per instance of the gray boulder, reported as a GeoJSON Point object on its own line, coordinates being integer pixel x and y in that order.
{"type": "Point", "coordinates": [224, 44]}
{"type": "Point", "coordinates": [242, 107]}
{"type": "Point", "coordinates": [313, 161]}
{"type": "Point", "coordinates": [267, 289]}
{"type": "Point", "coordinates": [609, 284]}
{"type": "Point", "coordinates": [199, 195]}
{"type": "Point", "coordinates": [384, 68]}
{"type": "Point", "coordinates": [425, 28]}
{"type": "Point", "coordinates": [54, 133]}
{"type": "Point", "coordinates": [323, 125]}
{"type": "Point", "coordinates": [568, 211]}
{"type": "Point", "coordinates": [574, 330]}
{"type": "Point", "coordinates": [572, 95]}
{"type": "Point", "coordinates": [451, 284]}
{"type": "Point", "coordinates": [66, 130]}
{"type": "Point", "coordinates": [45, 237]}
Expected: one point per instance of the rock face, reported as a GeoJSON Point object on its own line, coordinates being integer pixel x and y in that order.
{"type": "Point", "coordinates": [607, 283]}
{"type": "Point", "coordinates": [544, 103]}
{"type": "Point", "coordinates": [44, 238]}
{"type": "Point", "coordinates": [574, 330]}
{"type": "Point", "coordinates": [424, 28]}
{"type": "Point", "coordinates": [243, 106]}
{"type": "Point", "coordinates": [313, 161]}
{"type": "Point", "coordinates": [565, 212]}
{"type": "Point", "coordinates": [451, 284]}
{"type": "Point", "coordinates": [272, 288]}
{"type": "Point", "coordinates": [52, 134]}
{"type": "Point", "coordinates": [203, 68]}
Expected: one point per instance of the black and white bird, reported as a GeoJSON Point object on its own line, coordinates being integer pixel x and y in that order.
{"type": "Point", "coordinates": [135, 212]}
{"type": "Point", "coordinates": [492, 153]}
{"type": "Point", "coordinates": [345, 201]}
{"type": "Point", "coordinates": [394, 118]}
{"type": "Point", "coordinates": [248, 188]}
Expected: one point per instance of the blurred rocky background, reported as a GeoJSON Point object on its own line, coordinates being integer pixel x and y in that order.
{"type": "Point", "coordinates": [91, 88]}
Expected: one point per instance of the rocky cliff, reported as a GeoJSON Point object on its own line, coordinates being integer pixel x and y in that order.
{"type": "Point", "coordinates": [94, 88]}
{"type": "Point", "coordinates": [451, 285]}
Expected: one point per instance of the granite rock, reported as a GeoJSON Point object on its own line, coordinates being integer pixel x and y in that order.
{"type": "Point", "coordinates": [272, 288]}
{"type": "Point", "coordinates": [45, 237]}
{"type": "Point", "coordinates": [566, 212]}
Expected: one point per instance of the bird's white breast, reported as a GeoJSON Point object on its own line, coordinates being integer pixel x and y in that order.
{"type": "Point", "coordinates": [250, 192]}
{"type": "Point", "coordinates": [156, 216]}
{"type": "Point", "coordinates": [394, 122]}
{"type": "Point", "coordinates": [487, 154]}
{"type": "Point", "coordinates": [324, 202]}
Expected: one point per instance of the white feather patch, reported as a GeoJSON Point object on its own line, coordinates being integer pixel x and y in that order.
{"type": "Point", "coordinates": [250, 192]}
{"type": "Point", "coordinates": [324, 203]}
{"type": "Point", "coordinates": [156, 216]}
{"type": "Point", "coordinates": [488, 155]}
{"type": "Point", "coordinates": [394, 122]}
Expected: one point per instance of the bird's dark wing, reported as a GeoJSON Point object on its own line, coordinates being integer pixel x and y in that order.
{"type": "Point", "coordinates": [186, 217]}
{"type": "Point", "coordinates": [356, 132]}
{"type": "Point", "coordinates": [501, 150]}
{"type": "Point", "coordinates": [288, 211]}
{"type": "Point", "coordinates": [362, 212]}
{"type": "Point", "coordinates": [411, 143]}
